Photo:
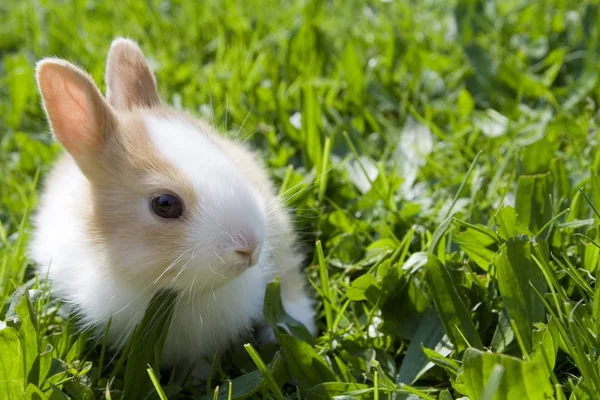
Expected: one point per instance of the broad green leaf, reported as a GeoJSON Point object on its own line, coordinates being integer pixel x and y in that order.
{"type": "Point", "coordinates": [363, 288]}
{"type": "Point", "coordinates": [146, 345]}
{"type": "Point", "coordinates": [30, 342]}
{"type": "Point", "coordinates": [305, 366]}
{"type": "Point", "coordinates": [330, 390]}
{"type": "Point", "coordinates": [509, 225]}
{"type": "Point", "coordinates": [479, 245]}
{"type": "Point", "coordinates": [536, 157]}
{"type": "Point", "coordinates": [276, 316]}
{"type": "Point", "coordinates": [493, 382]}
{"type": "Point", "coordinates": [25, 321]}
{"type": "Point", "coordinates": [545, 345]}
{"type": "Point", "coordinates": [44, 362]}
{"type": "Point", "coordinates": [520, 379]}
{"type": "Point", "coordinates": [57, 394]}
{"type": "Point", "coordinates": [445, 395]}
{"type": "Point", "coordinates": [77, 389]}
{"type": "Point", "coordinates": [455, 317]}
{"type": "Point", "coordinates": [516, 272]}
{"type": "Point", "coordinates": [503, 334]}
{"type": "Point", "coordinates": [430, 335]}
{"type": "Point", "coordinates": [242, 387]}
{"type": "Point", "coordinates": [533, 203]}
{"type": "Point", "coordinates": [34, 393]}
{"type": "Point", "coordinates": [479, 254]}
{"type": "Point", "coordinates": [12, 373]}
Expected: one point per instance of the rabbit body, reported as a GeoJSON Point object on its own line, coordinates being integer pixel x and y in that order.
{"type": "Point", "coordinates": [146, 198]}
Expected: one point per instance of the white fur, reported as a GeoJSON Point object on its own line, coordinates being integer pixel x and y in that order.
{"type": "Point", "coordinates": [302, 310]}
{"type": "Point", "coordinates": [188, 148]}
{"type": "Point", "coordinates": [212, 311]}
{"type": "Point", "coordinates": [203, 321]}
{"type": "Point", "coordinates": [224, 194]}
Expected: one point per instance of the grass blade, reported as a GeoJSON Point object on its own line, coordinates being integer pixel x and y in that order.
{"type": "Point", "coordinates": [156, 383]}
{"type": "Point", "coordinates": [264, 372]}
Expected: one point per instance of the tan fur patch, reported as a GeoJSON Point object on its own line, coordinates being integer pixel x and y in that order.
{"type": "Point", "coordinates": [130, 172]}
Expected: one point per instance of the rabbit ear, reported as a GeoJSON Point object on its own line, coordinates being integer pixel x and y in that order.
{"type": "Point", "coordinates": [129, 81]}
{"type": "Point", "coordinates": [79, 116]}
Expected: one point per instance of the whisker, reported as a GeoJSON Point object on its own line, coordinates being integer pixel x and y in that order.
{"type": "Point", "coordinates": [171, 266]}
{"type": "Point", "coordinates": [228, 234]}
{"type": "Point", "coordinates": [220, 258]}
{"type": "Point", "coordinates": [212, 113]}
{"type": "Point", "coordinates": [182, 269]}
{"type": "Point", "coordinates": [250, 136]}
{"type": "Point", "coordinates": [215, 272]}
{"type": "Point", "coordinates": [226, 111]}
{"type": "Point", "coordinates": [243, 122]}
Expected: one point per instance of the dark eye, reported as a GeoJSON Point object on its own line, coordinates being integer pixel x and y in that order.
{"type": "Point", "coordinates": [167, 206]}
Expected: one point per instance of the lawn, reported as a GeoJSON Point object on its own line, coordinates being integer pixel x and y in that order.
{"type": "Point", "coordinates": [440, 159]}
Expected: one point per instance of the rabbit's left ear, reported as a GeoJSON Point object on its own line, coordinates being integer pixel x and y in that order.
{"type": "Point", "coordinates": [79, 116]}
{"type": "Point", "coordinates": [129, 81]}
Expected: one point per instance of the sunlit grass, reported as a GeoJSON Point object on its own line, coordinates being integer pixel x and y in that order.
{"type": "Point", "coordinates": [441, 159]}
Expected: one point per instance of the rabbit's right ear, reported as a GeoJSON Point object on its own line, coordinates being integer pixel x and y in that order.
{"type": "Point", "coordinates": [79, 116]}
{"type": "Point", "coordinates": [129, 81]}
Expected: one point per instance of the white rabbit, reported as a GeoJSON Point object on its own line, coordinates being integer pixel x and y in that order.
{"type": "Point", "coordinates": [147, 198]}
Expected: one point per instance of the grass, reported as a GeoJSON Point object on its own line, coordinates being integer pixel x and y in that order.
{"type": "Point", "coordinates": [440, 156]}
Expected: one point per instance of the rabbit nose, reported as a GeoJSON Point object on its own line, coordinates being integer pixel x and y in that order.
{"type": "Point", "coordinates": [248, 255]}
{"type": "Point", "coordinates": [245, 253]}
{"type": "Point", "coordinates": [247, 248]}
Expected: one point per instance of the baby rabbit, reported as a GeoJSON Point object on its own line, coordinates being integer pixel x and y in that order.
{"type": "Point", "coordinates": [146, 198]}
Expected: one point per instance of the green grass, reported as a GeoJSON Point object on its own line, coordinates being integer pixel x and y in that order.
{"type": "Point", "coordinates": [441, 159]}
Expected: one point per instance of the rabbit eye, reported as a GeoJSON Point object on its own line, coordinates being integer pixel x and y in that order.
{"type": "Point", "coordinates": [167, 206]}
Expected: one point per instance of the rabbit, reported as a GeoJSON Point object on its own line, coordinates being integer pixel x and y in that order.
{"type": "Point", "coordinates": [145, 198]}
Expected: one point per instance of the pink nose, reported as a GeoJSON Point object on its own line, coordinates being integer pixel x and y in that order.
{"type": "Point", "coordinates": [246, 247]}
{"type": "Point", "coordinates": [245, 253]}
